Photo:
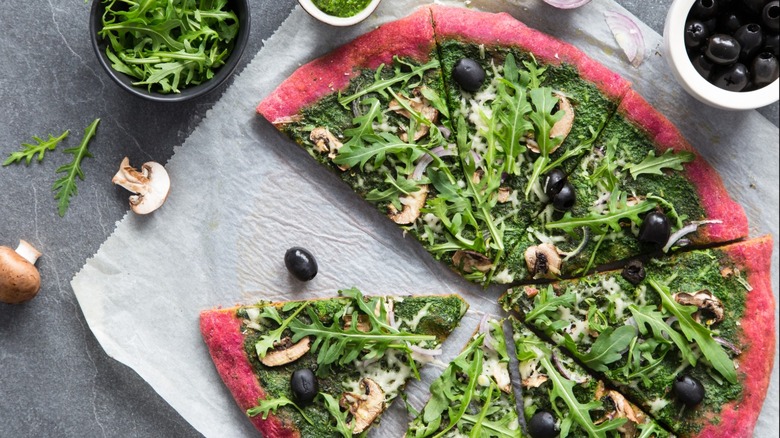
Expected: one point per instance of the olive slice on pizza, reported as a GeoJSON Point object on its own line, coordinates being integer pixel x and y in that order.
{"type": "Point", "coordinates": [689, 337]}
{"type": "Point", "coordinates": [326, 367]}
{"type": "Point", "coordinates": [473, 396]}
{"type": "Point", "coordinates": [560, 398]}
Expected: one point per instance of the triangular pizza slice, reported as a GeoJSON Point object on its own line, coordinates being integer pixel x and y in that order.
{"type": "Point", "coordinates": [559, 398]}
{"type": "Point", "coordinates": [325, 367]}
{"type": "Point", "coordinates": [689, 337]}
{"type": "Point", "coordinates": [473, 396]}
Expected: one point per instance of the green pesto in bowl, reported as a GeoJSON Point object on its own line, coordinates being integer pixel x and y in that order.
{"type": "Point", "coordinates": [341, 8]}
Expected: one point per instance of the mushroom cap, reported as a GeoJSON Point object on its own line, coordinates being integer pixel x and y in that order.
{"type": "Point", "coordinates": [151, 185]}
{"type": "Point", "coordinates": [20, 281]}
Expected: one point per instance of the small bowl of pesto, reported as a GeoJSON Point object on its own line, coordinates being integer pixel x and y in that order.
{"type": "Point", "coordinates": [339, 12]}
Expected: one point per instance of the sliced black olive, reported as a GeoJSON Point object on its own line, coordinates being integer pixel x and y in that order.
{"type": "Point", "coordinates": [655, 229]}
{"type": "Point", "coordinates": [754, 5]}
{"type": "Point", "coordinates": [468, 74]}
{"type": "Point", "coordinates": [704, 9]}
{"type": "Point", "coordinates": [304, 385]}
{"type": "Point", "coordinates": [771, 15]}
{"type": "Point", "coordinates": [751, 40]}
{"type": "Point", "coordinates": [565, 199]}
{"type": "Point", "coordinates": [765, 69]}
{"type": "Point", "coordinates": [703, 66]}
{"type": "Point", "coordinates": [696, 34]}
{"type": "Point", "coordinates": [634, 272]}
{"type": "Point", "coordinates": [723, 49]}
{"type": "Point", "coordinates": [554, 181]}
{"type": "Point", "coordinates": [772, 44]}
{"type": "Point", "coordinates": [688, 390]}
{"type": "Point", "coordinates": [301, 263]}
{"type": "Point", "coordinates": [542, 425]}
{"type": "Point", "coordinates": [732, 78]}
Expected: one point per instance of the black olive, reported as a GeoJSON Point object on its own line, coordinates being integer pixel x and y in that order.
{"type": "Point", "coordinates": [723, 49]}
{"type": "Point", "coordinates": [542, 425]}
{"type": "Point", "coordinates": [696, 34]}
{"type": "Point", "coordinates": [765, 69]}
{"type": "Point", "coordinates": [730, 22]}
{"type": "Point", "coordinates": [772, 44]}
{"type": "Point", "coordinates": [468, 74]}
{"type": "Point", "coordinates": [704, 9]}
{"type": "Point", "coordinates": [634, 272]}
{"type": "Point", "coordinates": [553, 182]}
{"type": "Point", "coordinates": [688, 390]}
{"type": "Point", "coordinates": [304, 385]}
{"type": "Point", "coordinates": [771, 15]}
{"type": "Point", "coordinates": [733, 78]}
{"type": "Point", "coordinates": [655, 229]}
{"type": "Point", "coordinates": [703, 66]}
{"type": "Point", "coordinates": [300, 263]}
{"type": "Point", "coordinates": [754, 5]}
{"type": "Point", "coordinates": [751, 40]}
{"type": "Point", "coordinates": [565, 199]}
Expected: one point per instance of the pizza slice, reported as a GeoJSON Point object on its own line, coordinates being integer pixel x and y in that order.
{"type": "Point", "coordinates": [325, 367]}
{"type": "Point", "coordinates": [641, 189]}
{"type": "Point", "coordinates": [524, 104]}
{"type": "Point", "coordinates": [473, 396]}
{"type": "Point", "coordinates": [689, 337]}
{"type": "Point", "coordinates": [562, 399]}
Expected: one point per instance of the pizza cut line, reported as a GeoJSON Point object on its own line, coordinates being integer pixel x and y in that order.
{"type": "Point", "coordinates": [514, 158]}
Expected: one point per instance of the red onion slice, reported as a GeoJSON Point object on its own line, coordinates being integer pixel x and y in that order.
{"type": "Point", "coordinates": [427, 159]}
{"type": "Point", "coordinates": [484, 327]}
{"type": "Point", "coordinates": [566, 4]}
{"type": "Point", "coordinates": [424, 355]}
{"type": "Point", "coordinates": [684, 231]}
{"type": "Point", "coordinates": [565, 372]}
{"type": "Point", "coordinates": [727, 344]}
{"type": "Point", "coordinates": [627, 35]}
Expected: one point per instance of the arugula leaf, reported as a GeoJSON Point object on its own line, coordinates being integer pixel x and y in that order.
{"type": "Point", "coordinates": [271, 405]}
{"type": "Point", "coordinates": [267, 341]}
{"type": "Point", "coordinates": [473, 370]}
{"type": "Point", "coordinates": [654, 165]}
{"type": "Point", "coordinates": [29, 150]}
{"type": "Point", "coordinates": [513, 114]}
{"type": "Point", "coordinates": [694, 331]}
{"type": "Point", "coordinates": [648, 316]}
{"type": "Point", "coordinates": [546, 302]}
{"type": "Point", "coordinates": [602, 223]}
{"type": "Point", "coordinates": [379, 145]}
{"type": "Point", "coordinates": [606, 171]}
{"type": "Point", "coordinates": [400, 186]}
{"type": "Point", "coordinates": [543, 103]}
{"type": "Point", "coordinates": [335, 411]}
{"type": "Point", "coordinates": [364, 124]}
{"type": "Point", "coordinates": [607, 349]}
{"type": "Point", "coordinates": [65, 187]}
{"type": "Point", "coordinates": [381, 85]}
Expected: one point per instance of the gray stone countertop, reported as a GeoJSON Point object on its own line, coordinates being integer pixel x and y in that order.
{"type": "Point", "coordinates": [55, 379]}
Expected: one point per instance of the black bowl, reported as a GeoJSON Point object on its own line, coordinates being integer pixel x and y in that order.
{"type": "Point", "coordinates": [240, 7]}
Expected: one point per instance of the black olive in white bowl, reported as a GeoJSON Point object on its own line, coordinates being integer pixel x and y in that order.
{"type": "Point", "coordinates": [725, 52]}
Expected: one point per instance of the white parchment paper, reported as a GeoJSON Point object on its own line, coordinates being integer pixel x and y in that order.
{"type": "Point", "coordinates": [242, 194]}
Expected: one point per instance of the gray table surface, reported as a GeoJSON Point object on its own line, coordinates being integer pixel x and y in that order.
{"type": "Point", "coordinates": [55, 379]}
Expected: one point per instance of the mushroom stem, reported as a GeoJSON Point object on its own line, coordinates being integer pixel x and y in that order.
{"type": "Point", "coordinates": [27, 251]}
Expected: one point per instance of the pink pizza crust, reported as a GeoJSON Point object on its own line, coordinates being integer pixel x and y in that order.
{"type": "Point", "coordinates": [738, 418]}
{"type": "Point", "coordinates": [503, 30]}
{"type": "Point", "coordinates": [714, 199]}
{"type": "Point", "coordinates": [410, 37]}
{"type": "Point", "coordinates": [221, 331]}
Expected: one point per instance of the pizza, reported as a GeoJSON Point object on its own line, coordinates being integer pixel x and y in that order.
{"type": "Point", "coordinates": [473, 396]}
{"type": "Point", "coordinates": [509, 155]}
{"type": "Point", "coordinates": [326, 367]}
{"type": "Point", "coordinates": [702, 318]}
{"type": "Point", "coordinates": [561, 399]}
{"type": "Point", "coordinates": [515, 159]}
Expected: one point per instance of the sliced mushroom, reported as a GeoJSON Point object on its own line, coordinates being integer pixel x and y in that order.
{"type": "Point", "coordinates": [282, 121]}
{"type": "Point", "coordinates": [530, 291]}
{"type": "Point", "coordinates": [470, 261]}
{"type": "Point", "coordinates": [504, 193]}
{"type": "Point", "coordinates": [364, 407]}
{"type": "Point", "coordinates": [561, 128]}
{"type": "Point", "coordinates": [543, 260]}
{"type": "Point", "coordinates": [623, 409]}
{"type": "Point", "coordinates": [421, 106]}
{"type": "Point", "coordinates": [534, 381]}
{"type": "Point", "coordinates": [151, 185]}
{"type": "Point", "coordinates": [285, 352]}
{"type": "Point", "coordinates": [325, 141]}
{"type": "Point", "coordinates": [710, 307]}
{"type": "Point", "coordinates": [20, 281]}
{"type": "Point", "coordinates": [412, 205]}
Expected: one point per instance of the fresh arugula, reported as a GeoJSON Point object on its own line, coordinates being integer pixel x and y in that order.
{"type": "Point", "coordinates": [271, 405]}
{"type": "Point", "coordinates": [546, 303]}
{"type": "Point", "coordinates": [377, 147]}
{"type": "Point", "coordinates": [693, 331]}
{"type": "Point", "coordinates": [29, 150]}
{"type": "Point", "coordinates": [381, 85]}
{"type": "Point", "coordinates": [65, 186]}
{"type": "Point", "coordinates": [400, 186]}
{"type": "Point", "coordinates": [619, 209]}
{"type": "Point", "coordinates": [268, 341]}
{"type": "Point", "coordinates": [363, 125]}
{"type": "Point", "coordinates": [513, 113]}
{"type": "Point", "coordinates": [168, 45]}
{"type": "Point", "coordinates": [607, 170]}
{"type": "Point", "coordinates": [335, 412]}
{"type": "Point", "coordinates": [648, 317]}
{"type": "Point", "coordinates": [608, 347]}
{"type": "Point", "coordinates": [543, 102]}
{"type": "Point", "coordinates": [655, 165]}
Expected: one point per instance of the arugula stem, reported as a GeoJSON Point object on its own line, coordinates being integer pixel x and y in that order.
{"type": "Point", "coordinates": [383, 84]}
{"type": "Point", "coordinates": [475, 369]}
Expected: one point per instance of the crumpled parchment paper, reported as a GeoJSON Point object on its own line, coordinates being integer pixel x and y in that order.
{"type": "Point", "coordinates": [242, 194]}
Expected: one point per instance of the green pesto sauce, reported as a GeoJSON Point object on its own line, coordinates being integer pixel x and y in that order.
{"type": "Point", "coordinates": [341, 8]}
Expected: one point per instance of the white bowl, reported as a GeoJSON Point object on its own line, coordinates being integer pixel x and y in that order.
{"type": "Point", "coordinates": [317, 13]}
{"type": "Point", "coordinates": [693, 82]}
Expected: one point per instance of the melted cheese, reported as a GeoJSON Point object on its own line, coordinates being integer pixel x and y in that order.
{"type": "Point", "coordinates": [412, 323]}
{"type": "Point", "coordinates": [657, 404]}
{"type": "Point", "coordinates": [391, 374]}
